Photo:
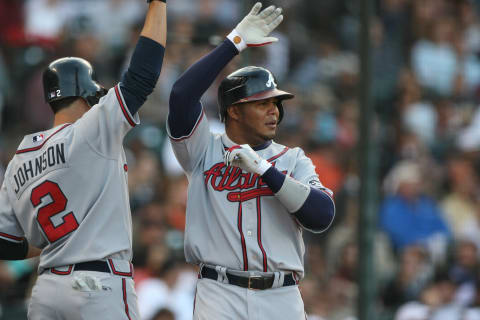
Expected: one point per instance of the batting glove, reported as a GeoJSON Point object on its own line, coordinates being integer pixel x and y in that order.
{"type": "Point", "coordinates": [254, 29]}
{"type": "Point", "coordinates": [245, 158]}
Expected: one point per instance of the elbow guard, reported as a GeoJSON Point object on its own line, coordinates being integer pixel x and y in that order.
{"type": "Point", "coordinates": [318, 211]}
{"type": "Point", "coordinates": [13, 250]}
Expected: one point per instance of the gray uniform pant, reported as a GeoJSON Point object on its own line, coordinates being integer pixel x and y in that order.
{"type": "Point", "coordinates": [83, 295]}
{"type": "Point", "coordinates": [221, 301]}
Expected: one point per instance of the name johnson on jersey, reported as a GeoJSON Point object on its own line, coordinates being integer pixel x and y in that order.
{"type": "Point", "coordinates": [52, 158]}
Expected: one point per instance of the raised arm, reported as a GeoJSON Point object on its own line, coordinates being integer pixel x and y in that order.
{"type": "Point", "coordinates": [155, 26]}
{"type": "Point", "coordinates": [147, 59]}
{"type": "Point", "coordinates": [253, 30]}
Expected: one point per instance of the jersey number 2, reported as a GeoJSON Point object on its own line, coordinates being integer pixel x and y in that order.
{"type": "Point", "coordinates": [58, 204]}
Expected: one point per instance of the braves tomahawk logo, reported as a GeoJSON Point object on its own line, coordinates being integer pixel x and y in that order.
{"type": "Point", "coordinates": [270, 81]}
{"type": "Point", "coordinates": [243, 185]}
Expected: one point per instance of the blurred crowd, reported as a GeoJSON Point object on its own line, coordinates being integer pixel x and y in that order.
{"type": "Point", "coordinates": [425, 62]}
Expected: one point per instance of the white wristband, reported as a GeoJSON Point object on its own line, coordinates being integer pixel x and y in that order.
{"type": "Point", "coordinates": [237, 40]}
{"type": "Point", "coordinates": [293, 194]}
{"type": "Point", "coordinates": [263, 167]}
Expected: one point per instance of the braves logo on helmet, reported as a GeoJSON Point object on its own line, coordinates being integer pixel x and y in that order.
{"type": "Point", "coordinates": [249, 84]}
{"type": "Point", "coordinates": [271, 80]}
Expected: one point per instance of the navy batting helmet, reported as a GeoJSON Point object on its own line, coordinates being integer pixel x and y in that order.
{"type": "Point", "coordinates": [71, 77]}
{"type": "Point", "coordinates": [249, 84]}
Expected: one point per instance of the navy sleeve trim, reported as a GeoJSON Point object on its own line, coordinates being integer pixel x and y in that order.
{"type": "Point", "coordinates": [318, 211]}
{"type": "Point", "coordinates": [274, 179]}
{"type": "Point", "coordinates": [185, 106]}
{"type": "Point", "coordinates": [143, 72]}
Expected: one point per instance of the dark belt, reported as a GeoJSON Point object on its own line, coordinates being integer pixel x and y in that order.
{"type": "Point", "coordinates": [100, 266]}
{"type": "Point", "coordinates": [252, 282]}
{"type": "Point", "coordinates": [97, 265]}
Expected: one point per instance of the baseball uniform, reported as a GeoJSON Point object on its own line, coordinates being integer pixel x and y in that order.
{"type": "Point", "coordinates": [244, 229]}
{"type": "Point", "coordinates": [234, 222]}
{"type": "Point", "coordinates": [65, 190]}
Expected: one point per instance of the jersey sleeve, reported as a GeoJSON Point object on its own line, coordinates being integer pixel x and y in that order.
{"type": "Point", "coordinates": [9, 227]}
{"type": "Point", "coordinates": [105, 125]}
{"type": "Point", "coordinates": [190, 149]}
{"type": "Point", "coordinates": [304, 172]}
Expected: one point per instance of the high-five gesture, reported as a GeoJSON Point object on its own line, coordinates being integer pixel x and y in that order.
{"type": "Point", "coordinates": [254, 29]}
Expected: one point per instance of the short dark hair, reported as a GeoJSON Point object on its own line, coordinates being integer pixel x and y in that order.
{"type": "Point", "coordinates": [63, 103]}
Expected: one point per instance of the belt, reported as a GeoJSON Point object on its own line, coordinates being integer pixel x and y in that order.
{"type": "Point", "coordinates": [97, 265]}
{"type": "Point", "coordinates": [251, 282]}
{"type": "Point", "coordinates": [100, 266]}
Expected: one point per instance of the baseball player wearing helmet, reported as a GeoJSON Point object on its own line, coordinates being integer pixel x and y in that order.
{"type": "Point", "coordinates": [65, 190]}
{"type": "Point", "coordinates": [249, 198]}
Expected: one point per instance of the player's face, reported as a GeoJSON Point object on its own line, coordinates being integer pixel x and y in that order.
{"type": "Point", "coordinates": [259, 120]}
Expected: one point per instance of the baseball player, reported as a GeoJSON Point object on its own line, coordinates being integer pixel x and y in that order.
{"type": "Point", "coordinates": [65, 190]}
{"type": "Point", "coordinates": [249, 197]}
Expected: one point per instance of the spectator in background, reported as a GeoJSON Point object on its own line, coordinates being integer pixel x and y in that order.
{"type": "Point", "coordinates": [342, 285]}
{"type": "Point", "coordinates": [473, 312]}
{"type": "Point", "coordinates": [434, 303]}
{"type": "Point", "coordinates": [464, 271]}
{"type": "Point", "coordinates": [414, 271]}
{"type": "Point", "coordinates": [460, 205]}
{"type": "Point", "coordinates": [441, 61]}
{"type": "Point", "coordinates": [45, 20]}
{"type": "Point", "coordinates": [409, 216]}
{"type": "Point", "coordinates": [144, 168]}
{"type": "Point", "coordinates": [149, 240]}
{"type": "Point", "coordinates": [172, 288]}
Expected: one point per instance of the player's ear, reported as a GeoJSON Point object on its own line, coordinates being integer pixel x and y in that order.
{"type": "Point", "coordinates": [233, 112]}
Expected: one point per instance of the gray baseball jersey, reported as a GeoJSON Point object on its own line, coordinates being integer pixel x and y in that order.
{"type": "Point", "coordinates": [233, 218]}
{"type": "Point", "coordinates": [65, 189]}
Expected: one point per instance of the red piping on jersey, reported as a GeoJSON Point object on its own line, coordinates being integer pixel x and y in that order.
{"type": "Point", "coordinates": [124, 289]}
{"type": "Point", "coordinates": [295, 277]}
{"type": "Point", "coordinates": [195, 299]}
{"type": "Point", "coordinates": [62, 273]}
{"type": "Point", "coordinates": [248, 195]}
{"type": "Point", "coordinates": [193, 130]}
{"type": "Point", "coordinates": [124, 109]}
{"type": "Point", "coordinates": [234, 147]}
{"type": "Point", "coordinates": [9, 236]}
{"type": "Point", "coordinates": [244, 247]}
{"type": "Point", "coordinates": [278, 155]}
{"type": "Point", "coordinates": [41, 145]}
{"type": "Point", "coordinates": [259, 234]}
{"type": "Point", "coordinates": [119, 273]}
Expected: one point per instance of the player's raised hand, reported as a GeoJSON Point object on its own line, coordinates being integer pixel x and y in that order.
{"type": "Point", "coordinates": [254, 29]}
{"type": "Point", "coordinates": [244, 157]}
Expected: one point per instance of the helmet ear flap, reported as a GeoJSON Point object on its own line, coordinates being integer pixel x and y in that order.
{"type": "Point", "coordinates": [93, 99]}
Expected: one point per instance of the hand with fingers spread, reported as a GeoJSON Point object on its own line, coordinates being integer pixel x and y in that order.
{"type": "Point", "coordinates": [244, 157]}
{"type": "Point", "coordinates": [254, 29]}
